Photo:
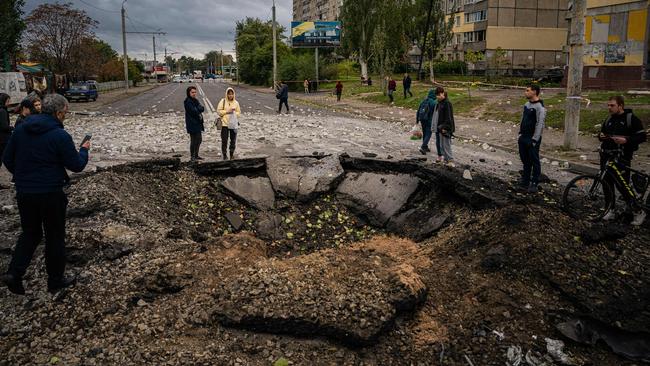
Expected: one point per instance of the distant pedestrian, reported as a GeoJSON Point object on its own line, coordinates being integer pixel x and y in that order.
{"type": "Point", "coordinates": [406, 83]}
{"type": "Point", "coordinates": [369, 81]}
{"type": "Point", "coordinates": [530, 138]}
{"type": "Point", "coordinates": [305, 84]}
{"type": "Point", "coordinates": [445, 127]}
{"type": "Point", "coordinates": [38, 154]}
{"type": "Point", "coordinates": [424, 116]}
{"type": "Point", "coordinates": [283, 94]}
{"type": "Point", "coordinates": [194, 122]}
{"type": "Point", "coordinates": [24, 110]}
{"type": "Point", "coordinates": [392, 86]}
{"type": "Point", "coordinates": [229, 111]}
{"type": "Point", "coordinates": [339, 90]}
{"type": "Point", "coordinates": [5, 124]}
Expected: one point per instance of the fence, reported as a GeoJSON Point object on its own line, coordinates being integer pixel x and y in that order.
{"type": "Point", "coordinates": [110, 85]}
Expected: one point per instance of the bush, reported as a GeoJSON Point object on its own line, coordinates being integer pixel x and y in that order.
{"type": "Point", "coordinates": [450, 67]}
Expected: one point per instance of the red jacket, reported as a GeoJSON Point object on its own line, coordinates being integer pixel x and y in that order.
{"type": "Point", "coordinates": [392, 85]}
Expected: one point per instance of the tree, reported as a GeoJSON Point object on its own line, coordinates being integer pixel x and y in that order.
{"type": "Point", "coordinates": [389, 42]}
{"type": "Point", "coordinates": [11, 28]}
{"type": "Point", "coordinates": [89, 56]}
{"type": "Point", "coordinates": [53, 33]}
{"type": "Point", "coordinates": [359, 21]}
{"type": "Point", "coordinates": [214, 58]}
{"type": "Point", "coordinates": [255, 50]}
{"type": "Point", "coordinates": [435, 29]}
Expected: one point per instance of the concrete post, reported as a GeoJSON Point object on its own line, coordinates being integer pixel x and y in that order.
{"type": "Point", "coordinates": [574, 77]}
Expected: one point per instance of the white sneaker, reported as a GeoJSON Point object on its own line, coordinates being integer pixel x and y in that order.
{"type": "Point", "coordinates": [639, 217]}
{"type": "Point", "coordinates": [610, 215]}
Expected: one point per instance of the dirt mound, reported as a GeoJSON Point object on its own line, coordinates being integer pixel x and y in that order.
{"type": "Point", "coordinates": [348, 294]}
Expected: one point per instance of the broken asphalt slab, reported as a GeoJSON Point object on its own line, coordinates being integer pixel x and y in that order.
{"type": "Point", "coordinates": [256, 192]}
{"type": "Point", "coordinates": [305, 177]}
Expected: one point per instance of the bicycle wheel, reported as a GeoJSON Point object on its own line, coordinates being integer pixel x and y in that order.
{"type": "Point", "coordinates": [587, 197]}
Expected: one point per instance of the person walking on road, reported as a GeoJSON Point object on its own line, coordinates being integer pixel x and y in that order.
{"type": "Point", "coordinates": [305, 84]}
{"type": "Point", "coordinates": [424, 116]}
{"type": "Point", "coordinates": [5, 124]}
{"type": "Point", "coordinates": [229, 111]}
{"type": "Point", "coordinates": [392, 86]}
{"type": "Point", "coordinates": [530, 138]}
{"type": "Point", "coordinates": [194, 122]}
{"type": "Point", "coordinates": [445, 126]}
{"type": "Point", "coordinates": [38, 154]}
{"type": "Point", "coordinates": [339, 90]}
{"type": "Point", "coordinates": [406, 84]}
{"type": "Point", "coordinates": [622, 130]}
{"type": "Point", "coordinates": [283, 95]}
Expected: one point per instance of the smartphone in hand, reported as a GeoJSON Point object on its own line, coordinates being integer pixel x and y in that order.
{"type": "Point", "coordinates": [86, 139]}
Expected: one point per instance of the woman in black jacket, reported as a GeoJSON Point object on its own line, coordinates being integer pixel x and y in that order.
{"type": "Point", "coordinates": [446, 126]}
{"type": "Point", "coordinates": [194, 122]}
{"type": "Point", "coordinates": [5, 126]}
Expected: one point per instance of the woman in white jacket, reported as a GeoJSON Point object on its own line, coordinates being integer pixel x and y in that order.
{"type": "Point", "coordinates": [229, 111]}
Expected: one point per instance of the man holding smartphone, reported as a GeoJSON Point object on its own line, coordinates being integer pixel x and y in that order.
{"type": "Point", "coordinates": [38, 154]}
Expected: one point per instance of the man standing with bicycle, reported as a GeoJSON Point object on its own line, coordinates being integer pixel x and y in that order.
{"type": "Point", "coordinates": [622, 130]}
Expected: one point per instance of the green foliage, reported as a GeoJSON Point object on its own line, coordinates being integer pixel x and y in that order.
{"type": "Point", "coordinates": [297, 67]}
{"type": "Point", "coordinates": [255, 50]}
{"type": "Point", "coordinates": [389, 43]}
{"type": "Point", "coordinates": [11, 27]}
{"type": "Point", "coordinates": [359, 19]}
{"type": "Point", "coordinates": [450, 67]}
{"type": "Point", "coordinates": [281, 362]}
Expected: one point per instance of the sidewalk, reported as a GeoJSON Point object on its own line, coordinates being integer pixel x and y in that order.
{"type": "Point", "coordinates": [485, 134]}
{"type": "Point", "coordinates": [111, 96]}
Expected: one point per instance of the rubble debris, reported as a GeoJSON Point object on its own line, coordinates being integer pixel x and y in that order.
{"type": "Point", "coordinates": [304, 178]}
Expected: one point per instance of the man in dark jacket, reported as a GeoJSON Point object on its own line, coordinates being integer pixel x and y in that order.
{"type": "Point", "coordinates": [622, 129]}
{"type": "Point", "coordinates": [445, 126]}
{"type": "Point", "coordinates": [194, 122]}
{"type": "Point", "coordinates": [530, 138]}
{"type": "Point", "coordinates": [5, 125]}
{"type": "Point", "coordinates": [425, 116]}
{"type": "Point", "coordinates": [406, 83]}
{"type": "Point", "coordinates": [38, 154]}
{"type": "Point", "coordinates": [283, 95]}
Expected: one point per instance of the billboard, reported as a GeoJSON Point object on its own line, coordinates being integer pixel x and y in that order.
{"type": "Point", "coordinates": [13, 83]}
{"type": "Point", "coordinates": [316, 34]}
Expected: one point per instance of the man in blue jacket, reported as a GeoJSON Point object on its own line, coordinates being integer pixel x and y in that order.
{"type": "Point", "coordinates": [38, 154]}
{"type": "Point", "coordinates": [530, 138]}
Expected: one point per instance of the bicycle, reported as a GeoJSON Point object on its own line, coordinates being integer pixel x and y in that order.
{"type": "Point", "coordinates": [592, 196]}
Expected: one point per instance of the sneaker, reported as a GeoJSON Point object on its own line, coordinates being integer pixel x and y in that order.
{"type": "Point", "coordinates": [53, 286]}
{"type": "Point", "coordinates": [14, 284]}
{"type": "Point", "coordinates": [533, 188]}
{"type": "Point", "coordinates": [440, 159]}
{"type": "Point", "coordinates": [422, 151]}
{"type": "Point", "coordinates": [426, 148]}
{"type": "Point", "coordinates": [198, 158]}
{"type": "Point", "coordinates": [450, 164]}
{"type": "Point", "coordinates": [610, 215]}
{"type": "Point", "coordinates": [639, 217]}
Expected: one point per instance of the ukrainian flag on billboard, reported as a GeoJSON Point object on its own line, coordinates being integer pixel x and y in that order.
{"type": "Point", "coordinates": [316, 34]}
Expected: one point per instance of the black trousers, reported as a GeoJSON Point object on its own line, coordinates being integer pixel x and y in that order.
{"type": "Point", "coordinates": [622, 182]}
{"type": "Point", "coordinates": [3, 145]}
{"type": "Point", "coordinates": [41, 212]}
{"type": "Point", "coordinates": [286, 103]}
{"type": "Point", "coordinates": [407, 91]}
{"type": "Point", "coordinates": [529, 156]}
{"type": "Point", "coordinates": [195, 143]}
{"type": "Point", "coordinates": [225, 132]}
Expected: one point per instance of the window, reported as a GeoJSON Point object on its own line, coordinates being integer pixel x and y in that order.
{"type": "Point", "coordinates": [476, 36]}
{"type": "Point", "coordinates": [457, 38]}
{"type": "Point", "coordinates": [476, 16]}
{"type": "Point", "coordinates": [457, 22]}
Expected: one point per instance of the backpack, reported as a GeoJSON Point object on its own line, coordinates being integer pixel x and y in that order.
{"type": "Point", "coordinates": [628, 119]}
{"type": "Point", "coordinates": [424, 110]}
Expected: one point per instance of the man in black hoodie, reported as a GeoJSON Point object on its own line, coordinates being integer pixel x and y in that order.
{"type": "Point", "coordinates": [622, 129]}
{"type": "Point", "coordinates": [38, 154]}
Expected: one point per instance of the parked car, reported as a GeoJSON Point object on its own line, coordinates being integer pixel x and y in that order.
{"type": "Point", "coordinates": [210, 76]}
{"type": "Point", "coordinates": [177, 79]}
{"type": "Point", "coordinates": [549, 75]}
{"type": "Point", "coordinates": [82, 91]}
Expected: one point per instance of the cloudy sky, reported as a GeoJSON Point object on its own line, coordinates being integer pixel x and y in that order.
{"type": "Point", "coordinates": [193, 27]}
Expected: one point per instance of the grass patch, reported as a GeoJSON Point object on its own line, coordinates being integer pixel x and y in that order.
{"type": "Point", "coordinates": [460, 99]}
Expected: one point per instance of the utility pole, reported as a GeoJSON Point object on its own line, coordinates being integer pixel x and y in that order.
{"type": "Point", "coordinates": [154, 50]}
{"type": "Point", "coordinates": [316, 56]}
{"type": "Point", "coordinates": [223, 70]}
{"type": "Point", "coordinates": [126, 62]}
{"type": "Point", "coordinates": [574, 78]}
{"type": "Point", "coordinates": [275, 51]}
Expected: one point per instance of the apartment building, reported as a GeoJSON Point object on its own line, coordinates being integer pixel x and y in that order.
{"type": "Point", "coordinates": [313, 10]}
{"type": "Point", "coordinates": [515, 36]}
{"type": "Point", "coordinates": [617, 45]}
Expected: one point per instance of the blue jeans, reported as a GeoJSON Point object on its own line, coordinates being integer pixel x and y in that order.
{"type": "Point", "coordinates": [438, 145]}
{"type": "Point", "coordinates": [426, 133]}
{"type": "Point", "coordinates": [529, 155]}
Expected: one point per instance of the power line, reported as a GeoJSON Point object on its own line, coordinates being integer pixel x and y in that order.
{"type": "Point", "coordinates": [93, 6]}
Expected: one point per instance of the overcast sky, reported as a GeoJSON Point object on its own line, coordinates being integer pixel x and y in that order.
{"type": "Point", "coordinates": [193, 27]}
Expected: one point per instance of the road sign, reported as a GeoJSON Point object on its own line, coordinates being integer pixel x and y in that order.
{"type": "Point", "coordinates": [316, 34]}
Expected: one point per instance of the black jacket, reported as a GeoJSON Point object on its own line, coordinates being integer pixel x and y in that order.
{"type": "Point", "coordinates": [284, 91]}
{"type": "Point", "coordinates": [5, 126]}
{"type": "Point", "coordinates": [193, 116]}
{"type": "Point", "coordinates": [446, 117]}
{"type": "Point", "coordinates": [617, 125]}
{"type": "Point", "coordinates": [406, 82]}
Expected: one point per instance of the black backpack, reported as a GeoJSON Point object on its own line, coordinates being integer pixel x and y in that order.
{"type": "Point", "coordinates": [424, 110]}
